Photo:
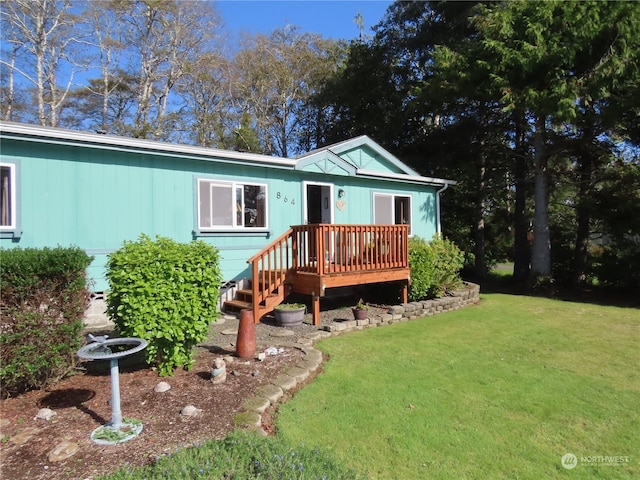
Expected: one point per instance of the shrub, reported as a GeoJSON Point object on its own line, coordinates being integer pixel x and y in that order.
{"type": "Point", "coordinates": [43, 297]}
{"type": "Point", "coordinates": [166, 293]}
{"type": "Point", "coordinates": [435, 267]}
{"type": "Point", "coordinates": [422, 268]}
{"type": "Point", "coordinates": [448, 261]}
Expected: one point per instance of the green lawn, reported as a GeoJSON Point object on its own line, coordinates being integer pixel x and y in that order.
{"type": "Point", "coordinates": [499, 390]}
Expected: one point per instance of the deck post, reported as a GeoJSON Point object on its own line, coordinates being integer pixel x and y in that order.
{"type": "Point", "coordinates": [404, 294]}
{"type": "Point", "coordinates": [315, 309]}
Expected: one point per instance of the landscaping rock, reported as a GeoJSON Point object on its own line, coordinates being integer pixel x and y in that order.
{"type": "Point", "coordinates": [256, 404]}
{"type": "Point", "coordinates": [62, 451]}
{"type": "Point", "coordinates": [45, 414]}
{"type": "Point", "coordinates": [247, 420]}
{"type": "Point", "coordinates": [285, 382]}
{"type": "Point", "coordinates": [190, 411]}
{"type": "Point", "coordinates": [272, 392]}
{"type": "Point", "coordinates": [162, 387]}
{"type": "Point", "coordinates": [282, 333]}
{"type": "Point", "coordinates": [24, 436]}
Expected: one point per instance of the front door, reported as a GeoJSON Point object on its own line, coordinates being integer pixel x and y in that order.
{"type": "Point", "coordinates": [318, 202]}
{"type": "Point", "coordinates": [318, 209]}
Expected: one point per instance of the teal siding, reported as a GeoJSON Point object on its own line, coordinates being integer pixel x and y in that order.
{"type": "Point", "coordinates": [359, 204]}
{"type": "Point", "coordinates": [98, 198]}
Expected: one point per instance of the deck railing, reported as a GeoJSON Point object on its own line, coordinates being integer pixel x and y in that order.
{"type": "Point", "coordinates": [326, 249]}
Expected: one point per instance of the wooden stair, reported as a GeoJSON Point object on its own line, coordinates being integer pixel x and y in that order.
{"type": "Point", "coordinates": [308, 259]}
{"type": "Point", "coordinates": [244, 300]}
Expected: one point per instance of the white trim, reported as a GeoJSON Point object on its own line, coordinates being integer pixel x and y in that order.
{"type": "Point", "coordinates": [60, 136]}
{"type": "Point", "coordinates": [55, 135]}
{"type": "Point", "coordinates": [405, 178]}
{"type": "Point", "coordinates": [13, 201]}
{"type": "Point", "coordinates": [393, 212]}
{"type": "Point", "coordinates": [305, 183]}
{"type": "Point", "coordinates": [233, 186]}
{"type": "Point", "coordinates": [439, 224]}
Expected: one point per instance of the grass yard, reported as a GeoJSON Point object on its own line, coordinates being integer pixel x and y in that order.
{"type": "Point", "coordinates": [499, 390]}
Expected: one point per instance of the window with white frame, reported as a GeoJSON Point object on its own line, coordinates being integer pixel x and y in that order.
{"type": "Point", "coordinates": [224, 205]}
{"type": "Point", "coordinates": [8, 220]}
{"type": "Point", "coordinates": [389, 209]}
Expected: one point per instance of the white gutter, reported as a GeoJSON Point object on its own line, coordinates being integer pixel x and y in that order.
{"type": "Point", "coordinates": [405, 178]}
{"type": "Point", "coordinates": [73, 137]}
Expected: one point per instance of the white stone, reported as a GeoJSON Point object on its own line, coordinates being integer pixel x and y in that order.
{"type": "Point", "coordinates": [162, 387]}
{"type": "Point", "coordinates": [190, 411]}
{"type": "Point", "coordinates": [45, 414]}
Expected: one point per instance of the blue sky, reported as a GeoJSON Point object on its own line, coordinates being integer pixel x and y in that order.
{"type": "Point", "coordinates": [329, 18]}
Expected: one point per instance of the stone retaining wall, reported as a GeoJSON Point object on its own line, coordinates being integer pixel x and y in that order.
{"type": "Point", "coordinates": [467, 295]}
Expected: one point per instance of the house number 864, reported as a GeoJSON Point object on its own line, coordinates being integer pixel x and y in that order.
{"type": "Point", "coordinates": [285, 198]}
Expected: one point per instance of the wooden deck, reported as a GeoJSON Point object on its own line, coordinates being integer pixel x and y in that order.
{"type": "Point", "coordinates": [309, 259]}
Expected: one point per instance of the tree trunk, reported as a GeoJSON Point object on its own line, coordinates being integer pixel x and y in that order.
{"type": "Point", "coordinates": [541, 248]}
{"type": "Point", "coordinates": [580, 255]}
{"type": "Point", "coordinates": [522, 254]}
{"type": "Point", "coordinates": [479, 211]}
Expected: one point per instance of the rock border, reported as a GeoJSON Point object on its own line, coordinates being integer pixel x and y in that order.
{"type": "Point", "coordinates": [252, 409]}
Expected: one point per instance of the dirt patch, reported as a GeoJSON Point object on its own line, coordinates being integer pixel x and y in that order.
{"type": "Point", "coordinates": [82, 404]}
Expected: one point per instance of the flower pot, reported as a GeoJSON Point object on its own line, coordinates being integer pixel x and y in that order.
{"type": "Point", "coordinates": [289, 317]}
{"type": "Point", "coordinates": [360, 313]}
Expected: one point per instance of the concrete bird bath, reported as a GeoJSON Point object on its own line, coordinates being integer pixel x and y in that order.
{"type": "Point", "coordinates": [116, 431]}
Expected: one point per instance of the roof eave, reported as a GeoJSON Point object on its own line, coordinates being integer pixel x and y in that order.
{"type": "Point", "coordinates": [72, 137]}
{"type": "Point", "coordinates": [436, 182]}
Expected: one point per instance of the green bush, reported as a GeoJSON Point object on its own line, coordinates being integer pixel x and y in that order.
{"type": "Point", "coordinates": [435, 267]}
{"type": "Point", "coordinates": [166, 293]}
{"type": "Point", "coordinates": [422, 269]}
{"type": "Point", "coordinates": [43, 297]}
{"type": "Point", "coordinates": [448, 261]}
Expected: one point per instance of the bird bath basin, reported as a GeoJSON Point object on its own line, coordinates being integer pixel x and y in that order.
{"type": "Point", "coordinates": [116, 431]}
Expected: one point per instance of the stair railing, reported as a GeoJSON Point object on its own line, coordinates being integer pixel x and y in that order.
{"type": "Point", "coordinates": [269, 268]}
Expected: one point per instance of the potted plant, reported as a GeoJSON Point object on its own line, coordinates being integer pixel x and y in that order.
{"type": "Point", "coordinates": [290, 314]}
{"type": "Point", "coordinates": [360, 311]}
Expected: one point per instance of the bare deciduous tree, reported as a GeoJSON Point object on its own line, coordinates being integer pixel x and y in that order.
{"type": "Point", "coordinates": [273, 78]}
{"type": "Point", "coordinates": [162, 39]}
{"type": "Point", "coordinates": [50, 39]}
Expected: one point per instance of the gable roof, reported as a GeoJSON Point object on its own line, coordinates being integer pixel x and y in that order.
{"type": "Point", "coordinates": [357, 157]}
{"type": "Point", "coordinates": [362, 157]}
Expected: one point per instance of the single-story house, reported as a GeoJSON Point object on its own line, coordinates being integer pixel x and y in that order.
{"type": "Point", "coordinates": [339, 215]}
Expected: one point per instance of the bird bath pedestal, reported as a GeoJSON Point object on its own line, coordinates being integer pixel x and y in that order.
{"type": "Point", "coordinates": [116, 431]}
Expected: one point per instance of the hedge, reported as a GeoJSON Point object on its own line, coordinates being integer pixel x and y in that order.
{"type": "Point", "coordinates": [43, 297]}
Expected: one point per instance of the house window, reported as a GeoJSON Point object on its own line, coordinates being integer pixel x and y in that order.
{"type": "Point", "coordinates": [8, 220]}
{"type": "Point", "coordinates": [224, 205]}
{"type": "Point", "coordinates": [392, 210]}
